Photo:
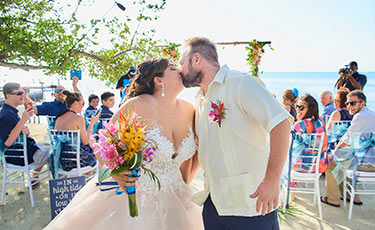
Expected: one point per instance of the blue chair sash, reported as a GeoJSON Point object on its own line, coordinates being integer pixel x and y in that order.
{"type": "Point", "coordinates": [4, 148]}
{"type": "Point", "coordinates": [300, 142]}
{"type": "Point", "coordinates": [55, 153]}
{"type": "Point", "coordinates": [360, 152]}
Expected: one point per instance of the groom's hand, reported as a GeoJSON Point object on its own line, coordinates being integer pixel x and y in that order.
{"type": "Point", "coordinates": [268, 196]}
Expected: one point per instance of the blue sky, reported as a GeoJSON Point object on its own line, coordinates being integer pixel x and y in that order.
{"type": "Point", "coordinates": [319, 35]}
{"type": "Point", "coordinates": [308, 35]}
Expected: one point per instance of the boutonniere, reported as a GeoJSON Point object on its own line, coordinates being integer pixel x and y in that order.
{"type": "Point", "coordinates": [217, 114]}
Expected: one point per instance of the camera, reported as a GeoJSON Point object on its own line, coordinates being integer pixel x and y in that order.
{"type": "Point", "coordinates": [345, 70]}
{"type": "Point", "coordinates": [132, 71]}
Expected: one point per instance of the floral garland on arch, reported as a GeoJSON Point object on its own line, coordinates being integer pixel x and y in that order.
{"type": "Point", "coordinates": [171, 52]}
{"type": "Point", "coordinates": [256, 51]}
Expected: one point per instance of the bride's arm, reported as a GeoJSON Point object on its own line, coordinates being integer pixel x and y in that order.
{"type": "Point", "coordinates": [190, 168]}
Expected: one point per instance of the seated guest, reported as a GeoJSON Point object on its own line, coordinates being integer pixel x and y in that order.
{"type": "Point", "coordinates": [108, 101]}
{"type": "Point", "coordinates": [70, 120]}
{"type": "Point", "coordinates": [290, 98]}
{"type": "Point", "coordinates": [308, 121]}
{"type": "Point", "coordinates": [12, 126]}
{"type": "Point", "coordinates": [341, 113]}
{"type": "Point", "coordinates": [326, 98]}
{"type": "Point", "coordinates": [363, 122]}
{"type": "Point", "coordinates": [57, 106]}
{"type": "Point", "coordinates": [93, 104]}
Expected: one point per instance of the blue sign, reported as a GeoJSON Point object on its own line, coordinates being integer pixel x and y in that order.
{"type": "Point", "coordinates": [77, 73]}
{"type": "Point", "coordinates": [62, 191]}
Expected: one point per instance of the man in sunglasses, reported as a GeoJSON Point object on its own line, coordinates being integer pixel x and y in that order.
{"type": "Point", "coordinates": [363, 122]}
{"type": "Point", "coordinates": [12, 126]}
{"type": "Point", "coordinates": [55, 107]}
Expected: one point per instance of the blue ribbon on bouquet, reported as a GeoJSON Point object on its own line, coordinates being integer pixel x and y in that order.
{"type": "Point", "coordinates": [129, 189]}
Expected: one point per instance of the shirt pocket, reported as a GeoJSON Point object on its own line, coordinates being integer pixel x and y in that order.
{"type": "Point", "coordinates": [235, 190]}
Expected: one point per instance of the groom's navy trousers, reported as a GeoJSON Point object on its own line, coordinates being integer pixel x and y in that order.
{"type": "Point", "coordinates": [212, 220]}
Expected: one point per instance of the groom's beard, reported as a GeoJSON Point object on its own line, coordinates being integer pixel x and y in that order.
{"type": "Point", "coordinates": [192, 78]}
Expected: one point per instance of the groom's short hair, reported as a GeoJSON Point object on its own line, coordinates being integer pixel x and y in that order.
{"type": "Point", "coordinates": [203, 46]}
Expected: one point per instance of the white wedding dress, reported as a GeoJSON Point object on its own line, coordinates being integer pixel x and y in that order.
{"type": "Point", "coordinates": [164, 209]}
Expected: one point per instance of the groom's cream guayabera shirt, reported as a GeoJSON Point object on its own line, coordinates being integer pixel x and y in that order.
{"type": "Point", "coordinates": [235, 156]}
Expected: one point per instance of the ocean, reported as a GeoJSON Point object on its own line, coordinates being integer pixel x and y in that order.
{"type": "Point", "coordinates": [306, 82]}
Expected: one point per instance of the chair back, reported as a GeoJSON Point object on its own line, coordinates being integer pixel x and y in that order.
{"type": "Point", "coordinates": [51, 120]}
{"type": "Point", "coordinates": [65, 142]}
{"type": "Point", "coordinates": [338, 129]}
{"type": "Point", "coordinates": [307, 150]}
{"type": "Point", "coordinates": [19, 145]}
{"type": "Point", "coordinates": [98, 125]}
{"type": "Point", "coordinates": [363, 145]}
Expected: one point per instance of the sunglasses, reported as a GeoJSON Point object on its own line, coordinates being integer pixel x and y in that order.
{"type": "Point", "coordinates": [58, 90]}
{"type": "Point", "coordinates": [300, 107]}
{"type": "Point", "coordinates": [351, 103]}
{"type": "Point", "coordinates": [19, 93]}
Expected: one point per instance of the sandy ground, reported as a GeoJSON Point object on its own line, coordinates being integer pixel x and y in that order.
{"type": "Point", "coordinates": [17, 212]}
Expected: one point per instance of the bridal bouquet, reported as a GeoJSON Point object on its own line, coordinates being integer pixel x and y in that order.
{"type": "Point", "coordinates": [122, 147]}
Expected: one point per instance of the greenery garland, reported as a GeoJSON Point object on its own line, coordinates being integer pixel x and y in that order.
{"type": "Point", "coordinates": [256, 50]}
{"type": "Point", "coordinates": [171, 52]}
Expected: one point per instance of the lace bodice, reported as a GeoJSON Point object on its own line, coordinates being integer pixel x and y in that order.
{"type": "Point", "coordinates": [166, 168]}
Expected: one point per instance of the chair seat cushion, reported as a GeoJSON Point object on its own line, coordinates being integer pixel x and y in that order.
{"type": "Point", "coordinates": [23, 168]}
{"type": "Point", "coordinates": [75, 170]}
{"type": "Point", "coordinates": [305, 176]}
{"type": "Point", "coordinates": [361, 173]}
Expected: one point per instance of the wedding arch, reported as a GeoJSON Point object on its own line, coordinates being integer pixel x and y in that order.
{"type": "Point", "coordinates": [255, 48]}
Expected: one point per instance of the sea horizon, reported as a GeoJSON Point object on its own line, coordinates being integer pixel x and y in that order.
{"type": "Point", "coordinates": [312, 82]}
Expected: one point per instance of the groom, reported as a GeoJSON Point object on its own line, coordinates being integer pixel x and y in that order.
{"type": "Point", "coordinates": [243, 152]}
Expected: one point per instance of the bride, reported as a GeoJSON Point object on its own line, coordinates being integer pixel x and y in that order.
{"type": "Point", "coordinates": [152, 95]}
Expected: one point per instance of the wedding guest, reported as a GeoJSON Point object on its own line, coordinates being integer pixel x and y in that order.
{"type": "Point", "coordinates": [12, 126]}
{"type": "Point", "coordinates": [326, 98]}
{"type": "Point", "coordinates": [308, 121]}
{"type": "Point", "coordinates": [93, 104]}
{"type": "Point", "coordinates": [290, 98]}
{"type": "Point", "coordinates": [70, 120]}
{"type": "Point", "coordinates": [363, 122]}
{"type": "Point", "coordinates": [341, 113]}
{"type": "Point", "coordinates": [55, 107]}
{"type": "Point", "coordinates": [108, 101]}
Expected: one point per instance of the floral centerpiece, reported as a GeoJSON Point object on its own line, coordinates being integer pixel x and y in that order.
{"type": "Point", "coordinates": [122, 147]}
{"type": "Point", "coordinates": [256, 51]}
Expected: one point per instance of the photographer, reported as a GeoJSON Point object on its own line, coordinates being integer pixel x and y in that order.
{"type": "Point", "coordinates": [125, 80]}
{"type": "Point", "coordinates": [350, 78]}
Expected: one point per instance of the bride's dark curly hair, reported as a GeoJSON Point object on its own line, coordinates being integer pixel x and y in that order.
{"type": "Point", "coordinates": [143, 81]}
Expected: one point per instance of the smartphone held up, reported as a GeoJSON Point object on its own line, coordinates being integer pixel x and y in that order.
{"type": "Point", "coordinates": [28, 105]}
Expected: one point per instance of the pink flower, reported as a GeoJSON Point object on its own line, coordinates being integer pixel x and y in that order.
{"type": "Point", "coordinates": [112, 130]}
{"type": "Point", "coordinates": [217, 114]}
{"type": "Point", "coordinates": [111, 157]}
